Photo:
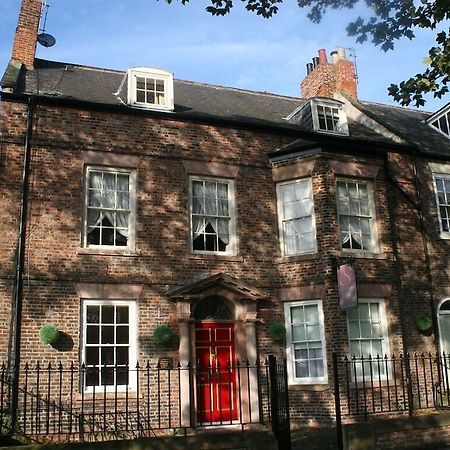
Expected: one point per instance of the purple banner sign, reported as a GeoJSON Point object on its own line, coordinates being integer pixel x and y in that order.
{"type": "Point", "coordinates": [348, 296]}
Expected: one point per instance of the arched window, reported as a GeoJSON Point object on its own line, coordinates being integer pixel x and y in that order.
{"type": "Point", "coordinates": [212, 308]}
{"type": "Point", "coordinates": [444, 326]}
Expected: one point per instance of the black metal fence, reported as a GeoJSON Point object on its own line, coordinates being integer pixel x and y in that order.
{"type": "Point", "coordinates": [391, 384]}
{"type": "Point", "coordinates": [85, 403]}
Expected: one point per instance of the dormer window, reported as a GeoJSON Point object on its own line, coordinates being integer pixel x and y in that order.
{"type": "Point", "coordinates": [150, 88]}
{"type": "Point", "coordinates": [441, 121]}
{"type": "Point", "coordinates": [328, 116]}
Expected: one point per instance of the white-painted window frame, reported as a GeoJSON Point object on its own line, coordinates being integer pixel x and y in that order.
{"type": "Point", "coordinates": [232, 245]}
{"type": "Point", "coordinates": [290, 354]}
{"type": "Point", "coordinates": [282, 220]}
{"type": "Point", "coordinates": [372, 216]}
{"type": "Point", "coordinates": [384, 344]}
{"type": "Point", "coordinates": [434, 121]}
{"type": "Point", "coordinates": [156, 74]}
{"type": "Point", "coordinates": [342, 126]}
{"type": "Point", "coordinates": [132, 353]}
{"type": "Point", "coordinates": [442, 176]}
{"type": "Point", "coordinates": [131, 242]}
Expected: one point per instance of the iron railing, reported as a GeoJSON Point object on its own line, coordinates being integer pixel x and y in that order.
{"type": "Point", "coordinates": [82, 403]}
{"type": "Point", "coordinates": [386, 385]}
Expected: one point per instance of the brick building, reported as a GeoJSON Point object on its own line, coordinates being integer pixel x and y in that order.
{"type": "Point", "coordinates": [220, 213]}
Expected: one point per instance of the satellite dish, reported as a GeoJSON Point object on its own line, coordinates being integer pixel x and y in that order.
{"type": "Point", "coordinates": [46, 40]}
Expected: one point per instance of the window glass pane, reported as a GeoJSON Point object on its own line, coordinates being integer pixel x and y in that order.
{"type": "Point", "coordinates": [107, 376]}
{"type": "Point", "coordinates": [377, 347]}
{"type": "Point", "coordinates": [353, 330]}
{"type": "Point", "coordinates": [107, 355]}
{"type": "Point", "coordinates": [122, 355]}
{"type": "Point", "coordinates": [374, 311]}
{"type": "Point", "coordinates": [107, 314]}
{"type": "Point", "coordinates": [297, 315]}
{"type": "Point", "coordinates": [93, 334]}
{"type": "Point", "coordinates": [363, 310]}
{"type": "Point", "coordinates": [366, 329]}
{"type": "Point", "coordinates": [301, 369]}
{"type": "Point", "coordinates": [355, 349]}
{"type": "Point", "coordinates": [316, 368]}
{"type": "Point", "coordinates": [288, 193]}
{"type": "Point", "coordinates": [122, 335]}
{"type": "Point", "coordinates": [315, 350]}
{"type": "Point", "coordinates": [107, 335]}
{"type": "Point", "coordinates": [91, 358]}
{"type": "Point", "coordinates": [298, 333]}
{"type": "Point", "coordinates": [122, 377]}
{"type": "Point", "coordinates": [312, 313]}
{"type": "Point", "coordinates": [312, 332]}
{"type": "Point", "coordinates": [92, 376]}
{"type": "Point", "coordinates": [92, 314]}
{"type": "Point", "coordinates": [122, 315]}
{"type": "Point", "coordinates": [301, 351]}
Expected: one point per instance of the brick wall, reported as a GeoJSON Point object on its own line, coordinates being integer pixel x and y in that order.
{"type": "Point", "coordinates": [55, 261]}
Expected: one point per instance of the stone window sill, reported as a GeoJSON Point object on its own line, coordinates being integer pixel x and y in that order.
{"type": "Point", "coordinates": [296, 258]}
{"type": "Point", "coordinates": [310, 387]}
{"type": "Point", "coordinates": [108, 252]}
{"type": "Point", "coordinates": [364, 255]}
{"type": "Point", "coordinates": [215, 257]}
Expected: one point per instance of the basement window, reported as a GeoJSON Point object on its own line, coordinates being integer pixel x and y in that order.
{"type": "Point", "coordinates": [150, 88]}
{"type": "Point", "coordinates": [328, 116]}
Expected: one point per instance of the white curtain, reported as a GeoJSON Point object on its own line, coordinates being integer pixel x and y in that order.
{"type": "Point", "coordinates": [103, 195]}
{"type": "Point", "coordinates": [210, 199]}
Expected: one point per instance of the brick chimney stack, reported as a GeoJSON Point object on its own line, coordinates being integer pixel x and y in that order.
{"type": "Point", "coordinates": [25, 39]}
{"type": "Point", "coordinates": [325, 79]}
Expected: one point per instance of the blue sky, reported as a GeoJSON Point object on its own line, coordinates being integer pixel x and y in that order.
{"type": "Point", "coordinates": [240, 50]}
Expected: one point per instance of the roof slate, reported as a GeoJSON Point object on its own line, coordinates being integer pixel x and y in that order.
{"type": "Point", "coordinates": [192, 99]}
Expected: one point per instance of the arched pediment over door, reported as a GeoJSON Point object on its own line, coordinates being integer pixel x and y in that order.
{"type": "Point", "coordinates": [243, 297]}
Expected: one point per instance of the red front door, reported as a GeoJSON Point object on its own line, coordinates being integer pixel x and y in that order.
{"type": "Point", "coordinates": [216, 372]}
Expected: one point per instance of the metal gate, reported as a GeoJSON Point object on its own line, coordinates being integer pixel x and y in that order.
{"type": "Point", "coordinates": [279, 402]}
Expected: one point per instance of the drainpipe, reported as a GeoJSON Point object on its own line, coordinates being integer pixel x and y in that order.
{"type": "Point", "coordinates": [394, 241]}
{"type": "Point", "coordinates": [425, 250]}
{"type": "Point", "coordinates": [419, 208]}
{"type": "Point", "coordinates": [19, 268]}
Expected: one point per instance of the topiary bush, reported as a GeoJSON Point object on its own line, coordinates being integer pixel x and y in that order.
{"type": "Point", "coordinates": [162, 334]}
{"type": "Point", "coordinates": [277, 331]}
{"type": "Point", "coordinates": [49, 333]}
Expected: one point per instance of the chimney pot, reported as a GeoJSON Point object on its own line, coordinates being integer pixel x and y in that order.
{"type": "Point", "coordinates": [334, 56]}
{"type": "Point", "coordinates": [323, 56]}
{"type": "Point", "coordinates": [315, 62]}
{"type": "Point", "coordinates": [309, 68]}
{"type": "Point", "coordinates": [341, 54]}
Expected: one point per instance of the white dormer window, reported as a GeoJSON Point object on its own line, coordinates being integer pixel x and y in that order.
{"type": "Point", "coordinates": [329, 116]}
{"type": "Point", "coordinates": [150, 88]}
{"type": "Point", "coordinates": [441, 121]}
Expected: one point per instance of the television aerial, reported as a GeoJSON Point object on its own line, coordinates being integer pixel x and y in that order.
{"type": "Point", "coordinates": [45, 39]}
